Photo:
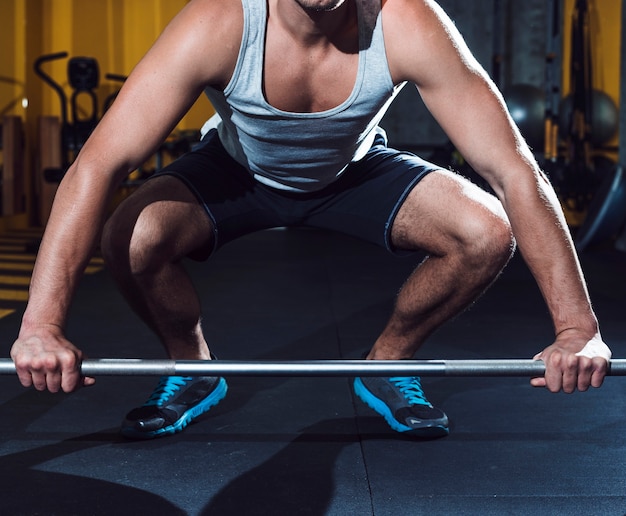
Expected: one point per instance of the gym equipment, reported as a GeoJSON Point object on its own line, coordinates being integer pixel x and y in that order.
{"type": "Point", "coordinates": [587, 119]}
{"type": "Point", "coordinates": [591, 119]}
{"type": "Point", "coordinates": [319, 368]}
{"type": "Point", "coordinates": [83, 75]}
{"type": "Point", "coordinates": [607, 211]}
{"type": "Point", "coordinates": [604, 115]}
{"type": "Point", "coordinates": [553, 73]}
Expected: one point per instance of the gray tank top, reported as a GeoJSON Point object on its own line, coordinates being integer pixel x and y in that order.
{"type": "Point", "coordinates": [301, 152]}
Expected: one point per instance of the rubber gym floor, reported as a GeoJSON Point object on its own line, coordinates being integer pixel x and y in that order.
{"type": "Point", "coordinates": [306, 446]}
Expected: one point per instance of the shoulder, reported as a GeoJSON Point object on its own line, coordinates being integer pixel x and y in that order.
{"type": "Point", "coordinates": [418, 35]}
{"type": "Point", "coordinates": [214, 12]}
{"type": "Point", "coordinates": [415, 18]}
{"type": "Point", "coordinates": [219, 15]}
{"type": "Point", "coordinates": [208, 33]}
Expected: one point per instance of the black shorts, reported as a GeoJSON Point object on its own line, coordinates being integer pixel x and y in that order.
{"type": "Point", "coordinates": [363, 202]}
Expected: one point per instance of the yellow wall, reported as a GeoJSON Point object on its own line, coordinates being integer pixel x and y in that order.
{"type": "Point", "coordinates": [605, 43]}
{"type": "Point", "coordinates": [115, 32]}
{"type": "Point", "coordinates": [12, 71]}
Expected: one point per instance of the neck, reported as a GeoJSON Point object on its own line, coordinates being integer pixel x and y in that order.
{"type": "Point", "coordinates": [314, 20]}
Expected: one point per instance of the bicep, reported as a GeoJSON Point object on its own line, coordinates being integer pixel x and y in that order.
{"type": "Point", "coordinates": [146, 110]}
{"type": "Point", "coordinates": [474, 116]}
{"type": "Point", "coordinates": [162, 88]}
{"type": "Point", "coordinates": [459, 94]}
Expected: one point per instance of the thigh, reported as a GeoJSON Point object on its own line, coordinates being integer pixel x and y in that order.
{"type": "Point", "coordinates": [231, 200]}
{"type": "Point", "coordinates": [444, 210]}
{"type": "Point", "coordinates": [365, 201]}
{"type": "Point", "coordinates": [162, 217]}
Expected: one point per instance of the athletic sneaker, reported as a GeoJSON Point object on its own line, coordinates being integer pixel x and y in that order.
{"type": "Point", "coordinates": [175, 402]}
{"type": "Point", "coordinates": [401, 401]}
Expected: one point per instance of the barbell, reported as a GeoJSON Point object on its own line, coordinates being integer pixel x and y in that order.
{"type": "Point", "coordinates": [319, 368]}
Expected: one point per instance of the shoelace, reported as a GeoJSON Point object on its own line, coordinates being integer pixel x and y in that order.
{"type": "Point", "coordinates": [411, 388]}
{"type": "Point", "coordinates": [167, 387]}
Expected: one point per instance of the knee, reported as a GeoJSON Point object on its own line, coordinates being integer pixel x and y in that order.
{"type": "Point", "coordinates": [488, 240]}
{"type": "Point", "coordinates": [129, 244]}
{"type": "Point", "coordinates": [114, 243]}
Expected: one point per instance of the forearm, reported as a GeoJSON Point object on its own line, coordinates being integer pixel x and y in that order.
{"type": "Point", "coordinates": [487, 138]}
{"type": "Point", "coordinates": [70, 237]}
{"type": "Point", "coordinates": [545, 243]}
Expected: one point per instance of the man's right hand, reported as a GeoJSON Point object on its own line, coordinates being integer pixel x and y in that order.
{"type": "Point", "coordinates": [46, 360]}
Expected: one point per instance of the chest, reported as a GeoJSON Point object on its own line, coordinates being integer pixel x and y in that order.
{"type": "Point", "coordinates": [309, 79]}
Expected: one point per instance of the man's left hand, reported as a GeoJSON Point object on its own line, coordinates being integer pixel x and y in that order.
{"type": "Point", "coordinates": [573, 364]}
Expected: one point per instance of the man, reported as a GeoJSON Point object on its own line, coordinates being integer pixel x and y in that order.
{"type": "Point", "coordinates": [300, 86]}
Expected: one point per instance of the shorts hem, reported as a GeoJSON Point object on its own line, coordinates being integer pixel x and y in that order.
{"type": "Point", "coordinates": [396, 209]}
{"type": "Point", "coordinates": [198, 196]}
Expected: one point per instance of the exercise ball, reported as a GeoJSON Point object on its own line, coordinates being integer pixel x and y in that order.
{"type": "Point", "coordinates": [604, 117]}
{"type": "Point", "coordinates": [527, 105]}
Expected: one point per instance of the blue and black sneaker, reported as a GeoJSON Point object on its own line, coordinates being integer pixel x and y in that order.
{"type": "Point", "coordinates": [175, 402]}
{"type": "Point", "coordinates": [401, 401]}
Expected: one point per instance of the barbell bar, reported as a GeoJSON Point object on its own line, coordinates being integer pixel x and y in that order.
{"type": "Point", "coordinates": [319, 368]}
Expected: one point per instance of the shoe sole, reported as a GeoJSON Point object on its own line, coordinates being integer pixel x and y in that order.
{"type": "Point", "coordinates": [181, 423]}
{"type": "Point", "coordinates": [379, 406]}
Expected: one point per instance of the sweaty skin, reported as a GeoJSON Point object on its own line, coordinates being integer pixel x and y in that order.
{"type": "Point", "coordinates": [311, 62]}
